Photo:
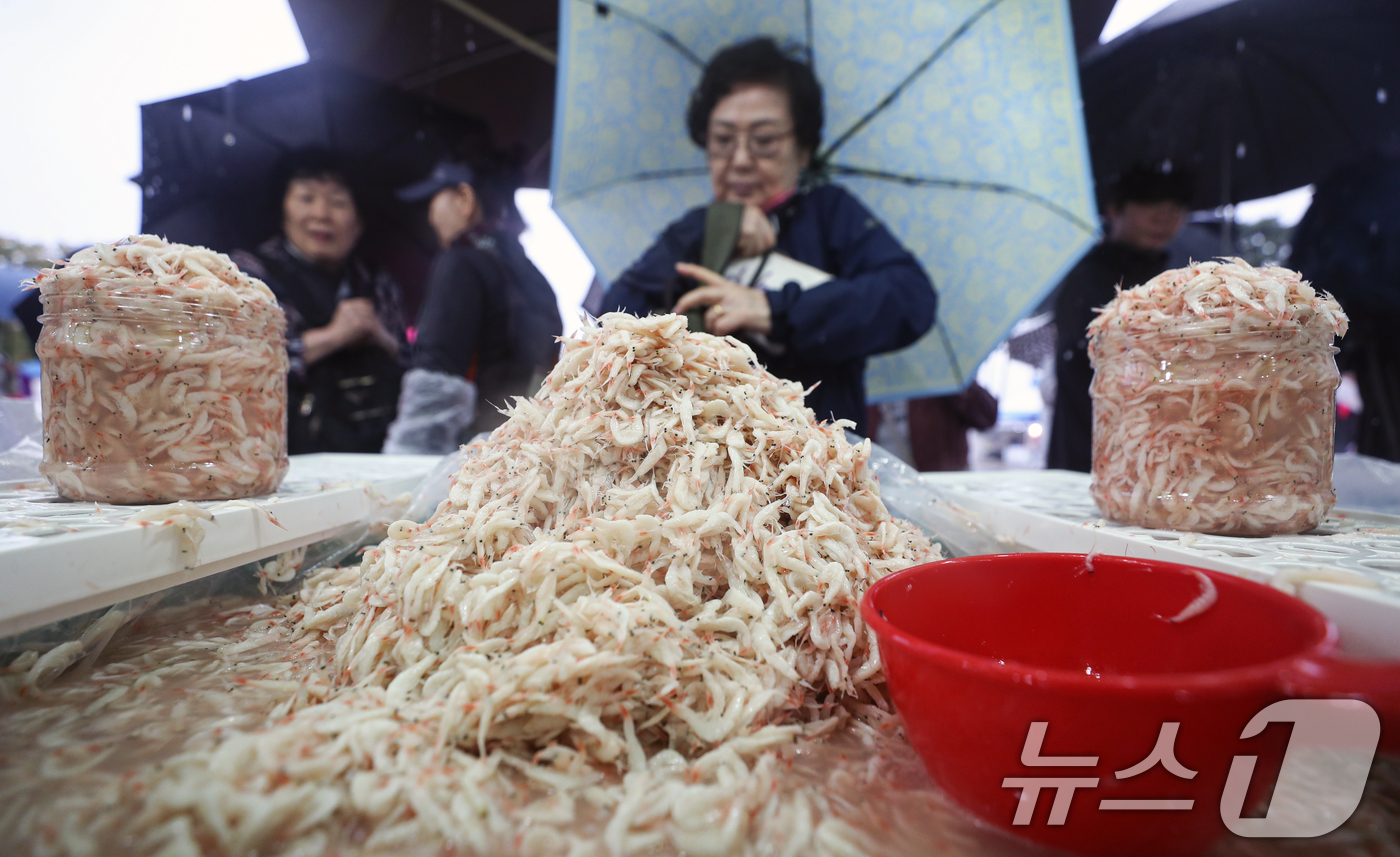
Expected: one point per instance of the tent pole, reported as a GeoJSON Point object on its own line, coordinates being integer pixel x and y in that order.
{"type": "Point", "coordinates": [503, 29]}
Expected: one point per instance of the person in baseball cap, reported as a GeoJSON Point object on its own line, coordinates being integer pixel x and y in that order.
{"type": "Point", "coordinates": [474, 351]}
{"type": "Point", "coordinates": [455, 205]}
{"type": "Point", "coordinates": [1144, 210]}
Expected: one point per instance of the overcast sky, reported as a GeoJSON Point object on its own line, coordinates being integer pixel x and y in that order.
{"type": "Point", "coordinates": [73, 74]}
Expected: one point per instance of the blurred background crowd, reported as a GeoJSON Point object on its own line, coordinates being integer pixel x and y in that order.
{"type": "Point", "coordinates": [437, 189]}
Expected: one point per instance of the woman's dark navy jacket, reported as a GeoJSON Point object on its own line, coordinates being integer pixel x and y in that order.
{"type": "Point", "coordinates": [879, 299]}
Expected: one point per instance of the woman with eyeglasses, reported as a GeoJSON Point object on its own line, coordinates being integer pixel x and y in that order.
{"type": "Point", "coordinates": [758, 115]}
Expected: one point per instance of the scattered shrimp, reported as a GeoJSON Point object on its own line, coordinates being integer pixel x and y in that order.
{"type": "Point", "coordinates": [1201, 603]}
{"type": "Point", "coordinates": [185, 517]}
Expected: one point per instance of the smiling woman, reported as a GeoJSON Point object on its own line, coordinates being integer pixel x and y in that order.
{"type": "Point", "coordinates": [345, 328]}
{"type": "Point", "coordinates": [320, 218]}
{"type": "Point", "coordinates": [42, 175]}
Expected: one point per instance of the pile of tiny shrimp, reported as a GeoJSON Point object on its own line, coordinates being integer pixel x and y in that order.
{"type": "Point", "coordinates": [662, 549]}
{"type": "Point", "coordinates": [1214, 404]}
{"type": "Point", "coordinates": [164, 376]}
{"type": "Point", "coordinates": [641, 591]}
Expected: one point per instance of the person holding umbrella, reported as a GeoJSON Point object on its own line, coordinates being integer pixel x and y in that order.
{"type": "Point", "coordinates": [758, 115]}
{"type": "Point", "coordinates": [488, 326]}
{"type": "Point", "coordinates": [1348, 244]}
{"type": "Point", "coordinates": [345, 330]}
{"type": "Point", "coordinates": [1146, 208]}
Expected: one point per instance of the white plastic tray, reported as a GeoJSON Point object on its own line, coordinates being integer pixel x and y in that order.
{"type": "Point", "coordinates": [1050, 510]}
{"type": "Point", "coordinates": [60, 559]}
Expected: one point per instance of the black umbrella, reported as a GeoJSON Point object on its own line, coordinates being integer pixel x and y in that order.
{"type": "Point", "coordinates": [486, 58]}
{"type": "Point", "coordinates": [1256, 96]}
{"type": "Point", "coordinates": [1349, 241]}
{"type": "Point", "coordinates": [1349, 244]}
{"type": "Point", "coordinates": [208, 159]}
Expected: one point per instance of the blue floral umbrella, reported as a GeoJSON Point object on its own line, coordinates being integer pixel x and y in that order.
{"type": "Point", "coordinates": [958, 123]}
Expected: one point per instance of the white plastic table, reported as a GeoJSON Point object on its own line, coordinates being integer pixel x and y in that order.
{"type": "Point", "coordinates": [1051, 510]}
{"type": "Point", "coordinates": [60, 559]}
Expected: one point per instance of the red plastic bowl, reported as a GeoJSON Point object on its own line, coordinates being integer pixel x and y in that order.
{"type": "Point", "coordinates": [978, 649]}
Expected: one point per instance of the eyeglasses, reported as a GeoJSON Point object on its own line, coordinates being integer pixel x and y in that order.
{"type": "Point", "coordinates": [721, 145]}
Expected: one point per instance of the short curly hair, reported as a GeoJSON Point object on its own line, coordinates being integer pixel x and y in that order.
{"type": "Point", "coordinates": [1150, 183]}
{"type": "Point", "coordinates": [312, 163]}
{"type": "Point", "coordinates": [758, 60]}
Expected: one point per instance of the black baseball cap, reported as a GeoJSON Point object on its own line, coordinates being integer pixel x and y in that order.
{"type": "Point", "coordinates": [446, 174]}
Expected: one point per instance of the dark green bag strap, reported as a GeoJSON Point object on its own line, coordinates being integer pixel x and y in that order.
{"type": "Point", "coordinates": [722, 221]}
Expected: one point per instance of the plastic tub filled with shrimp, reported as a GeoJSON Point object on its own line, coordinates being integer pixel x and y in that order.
{"type": "Point", "coordinates": [1214, 401]}
{"type": "Point", "coordinates": [163, 376]}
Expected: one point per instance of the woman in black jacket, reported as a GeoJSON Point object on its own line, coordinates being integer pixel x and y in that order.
{"type": "Point", "coordinates": [345, 330]}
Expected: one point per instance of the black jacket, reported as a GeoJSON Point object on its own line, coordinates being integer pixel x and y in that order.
{"type": "Point", "coordinates": [490, 316]}
{"type": "Point", "coordinates": [1088, 286]}
{"type": "Point", "coordinates": [345, 401]}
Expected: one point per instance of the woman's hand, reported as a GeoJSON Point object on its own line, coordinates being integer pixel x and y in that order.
{"type": "Point", "coordinates": [381, 337]}
{"type": "Point", "coordinates": [756, 235]}
{"type": "Point", "coordinates": [354, 322]}
{"type": "Point", "coordinates": [365, 325]}
{"type": "Point", "coordinates": [731, 306]}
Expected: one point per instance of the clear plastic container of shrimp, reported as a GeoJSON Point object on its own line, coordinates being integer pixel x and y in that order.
{"type": "Point", "coordinates": [152, 400]}
{"type": "Point", "coordinates": [1227, 433]}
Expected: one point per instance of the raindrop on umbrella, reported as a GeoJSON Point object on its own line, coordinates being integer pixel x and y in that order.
{"type": "Point", "coordinates": [186, 113]}
{"type": "Point", "coordinates": [1240, 150]}
{"type": "Point", "coordinates": [1381, 95]}
{"type": "Point", "coordinates": [229, 139]}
